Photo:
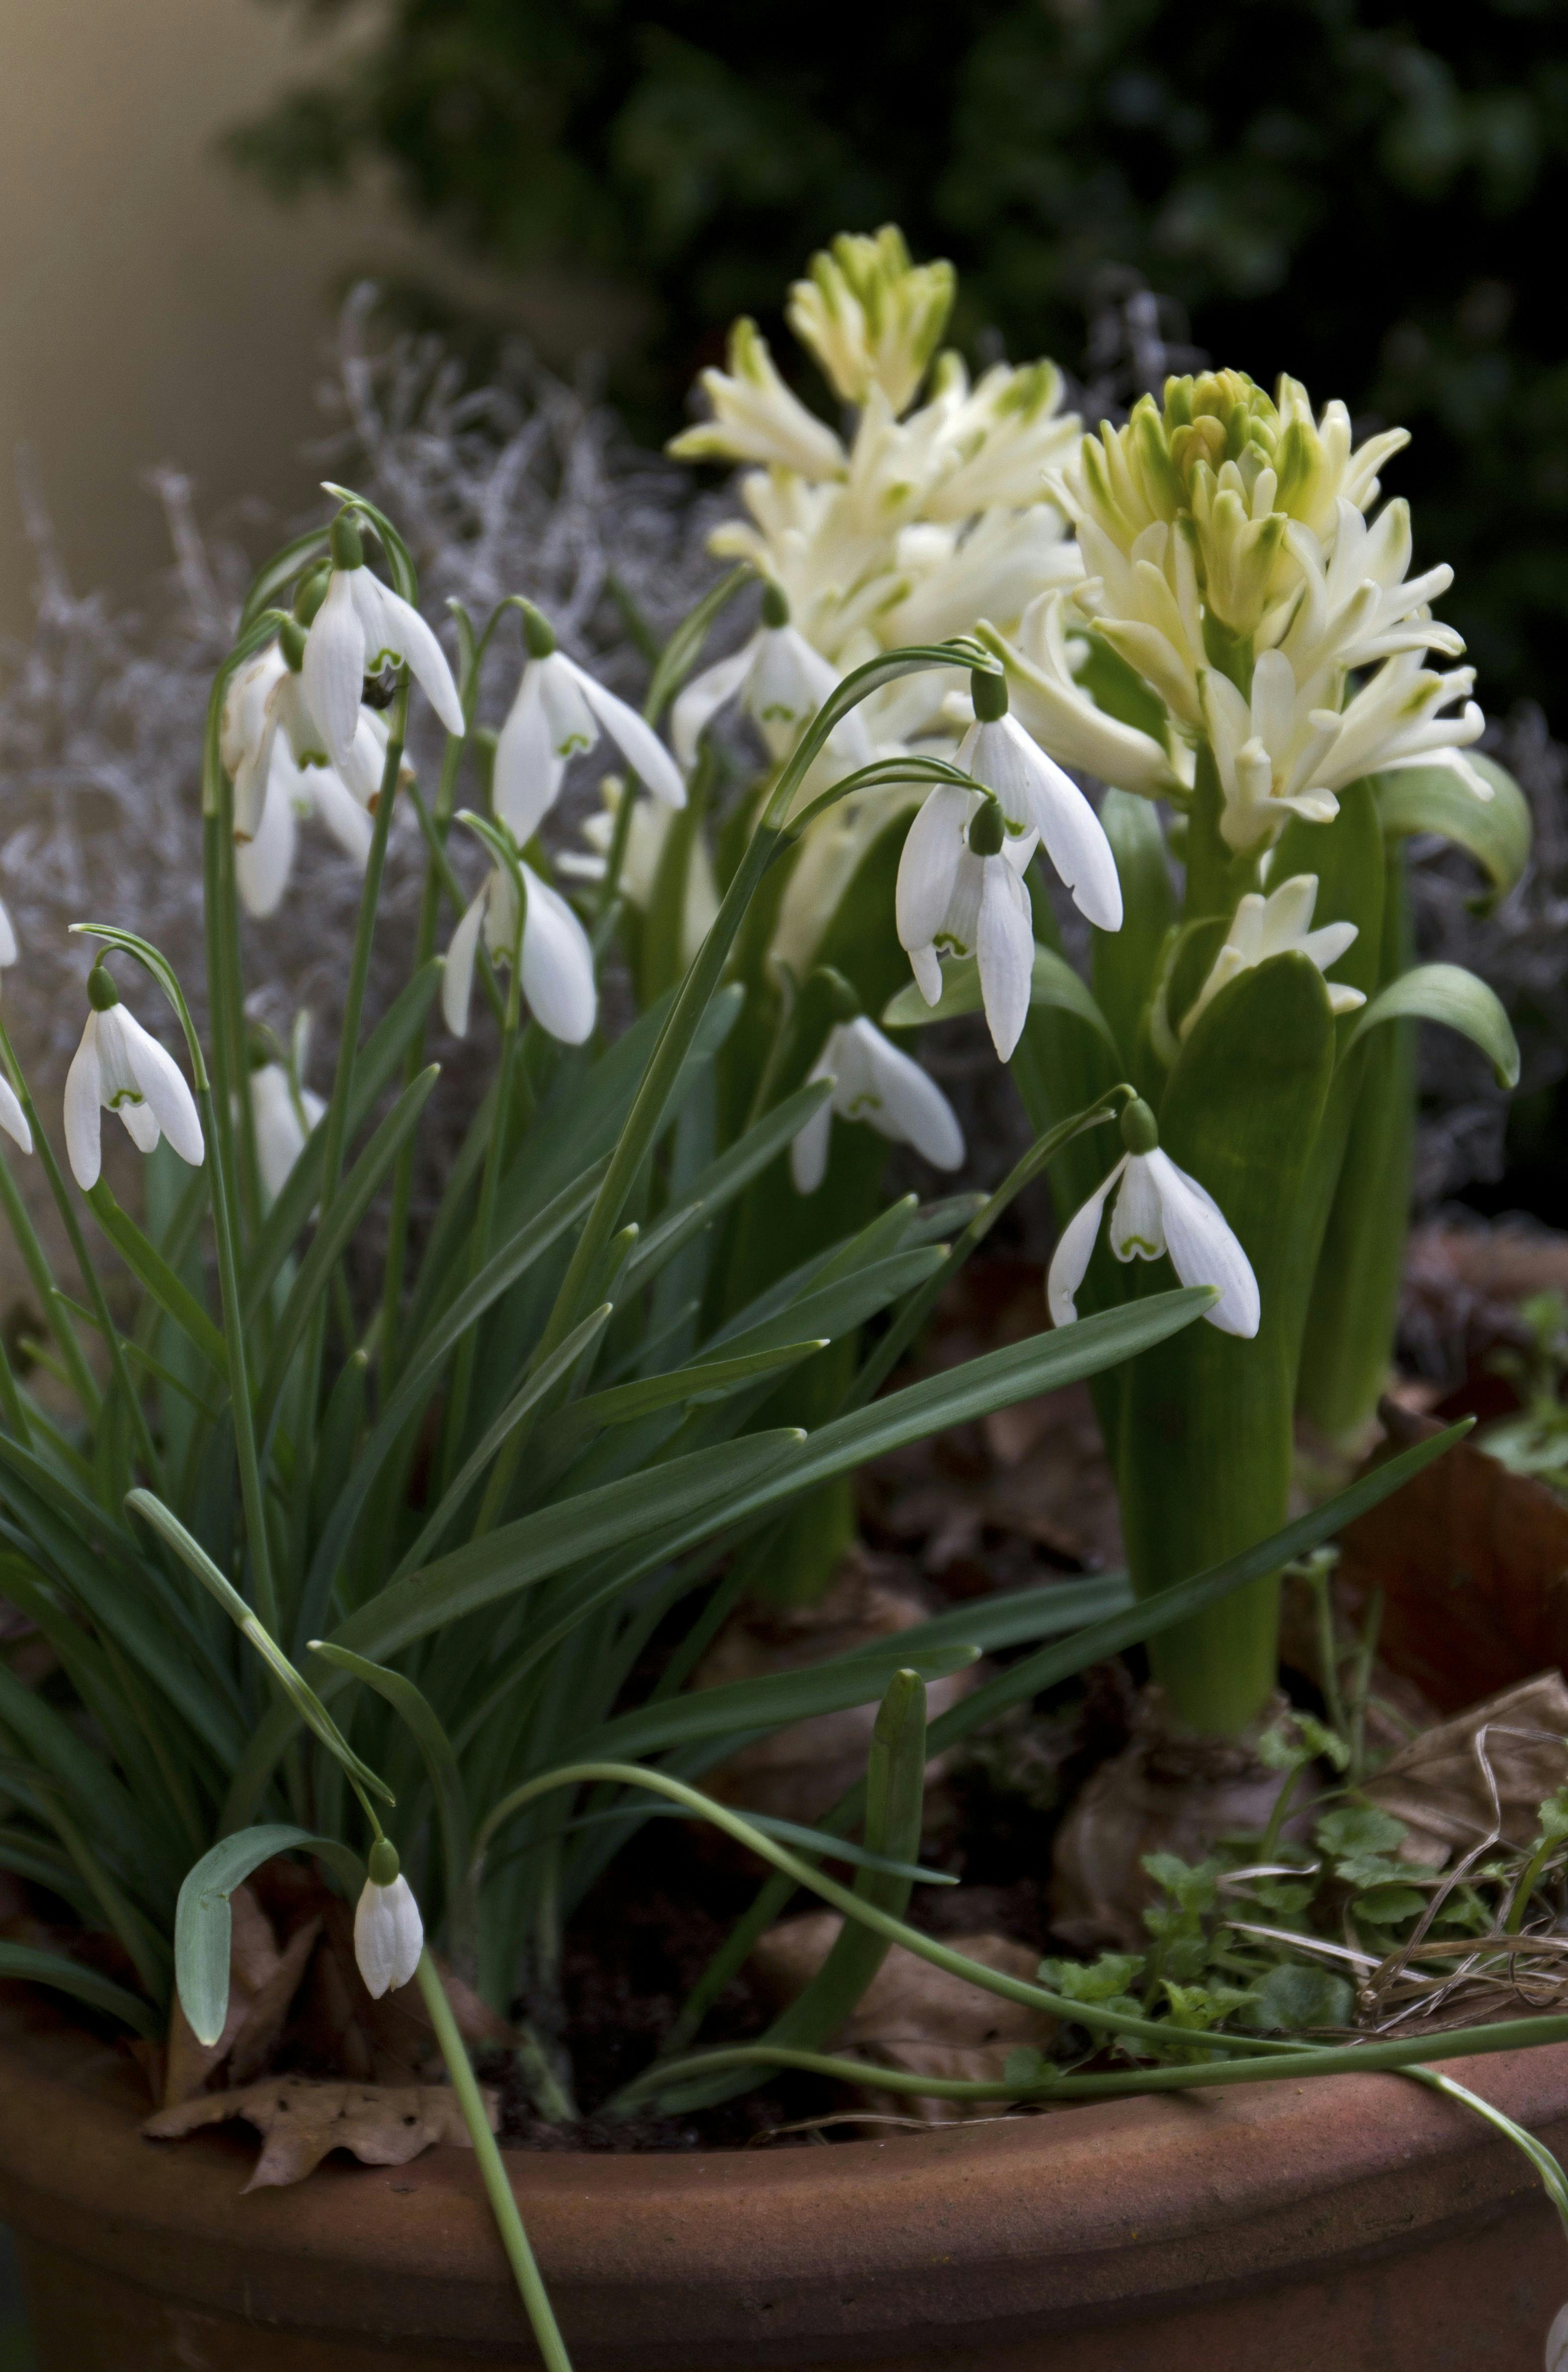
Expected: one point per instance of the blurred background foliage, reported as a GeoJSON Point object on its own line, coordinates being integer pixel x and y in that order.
{"type": "Point", "coordinates": [1366, 196]}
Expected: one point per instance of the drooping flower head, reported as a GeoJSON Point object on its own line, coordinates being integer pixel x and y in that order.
{"type": "Point", "coordinates": [388, 1934]}
{"type": "Point", "coordinates": [119, 1067]}
{"type": "Point", "coordinates": [780, 683]}
{"type": "Point", "coordinates": [874, 1083]}
{"type": "Point", "coordinates": [284, 1110]}
{"type": "Point", "coordinates": [559, 711]}
{"type": "Point", "coordinates": [1159, 1209]}
{"type": "Point", "coordinates": [547, 942]}
{"type": "Point", "coordinates": [361, 626]}
{"type": "Point", "coordinates": [960, 892]}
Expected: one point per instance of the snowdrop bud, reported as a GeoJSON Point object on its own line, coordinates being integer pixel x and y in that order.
{"type": "Point", "coordinates": [389, 1935]}
{"type": "Point", "coordinates": [309, 594]}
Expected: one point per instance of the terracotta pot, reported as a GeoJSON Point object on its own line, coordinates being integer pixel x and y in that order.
{"type": "Point", "coordinates": [1353, 2225]}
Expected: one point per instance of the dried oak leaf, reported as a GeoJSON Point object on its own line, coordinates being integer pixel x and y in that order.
{"type": "Point", "coordinates": [262, 1981]}
{"type": "Point", "coordinates": [301, 2121]}
{"type": "Point", "coordinates": [1481, 1775]}
{"type": "Point", "coordinates": [800, 1771]}
{"type": "Point", "coordinates": [912, 2017]}
{"type": "Point", "coordinates": [1472, 1562]}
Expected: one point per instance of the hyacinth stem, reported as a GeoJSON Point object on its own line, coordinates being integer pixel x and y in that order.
{"type": "Point", "coordinates": [493, 2171]}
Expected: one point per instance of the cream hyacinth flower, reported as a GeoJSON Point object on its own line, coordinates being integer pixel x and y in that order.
{"type": "Point", "coordinates": [960, 892]}
{"type": "Point", "coordinates": [1276, 926]}
{"type": "Point", "coordinates": [556, 963]}
{"type": "Point", "coordinates": [874, 1082]}
{"type": "Point", "coordinates": [1158, 1209]}
{"type": "Point", "coordinates": [119, 1067]}
{"type": "Point", "coordinates": [559, 711]}
{"type": "Point", "coordinates": [361, 625]}
{"type": "Point", "coordinates": [388, 1934]}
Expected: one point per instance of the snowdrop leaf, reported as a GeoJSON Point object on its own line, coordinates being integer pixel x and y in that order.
{"type": "Point", "coordinates": [414, 1710]}
{"type": "Point", "coordinates": [173, 1297]}
{"type": "Point", "coordinates": [1054, 983]}
{"type": "Point", "coordinates": [1448, 994]}
{"type": "Point", "coordinates": [203, 1923]}
{"type": "Point", "coordinates": [30, 1966]}
{"type": "Point", "coordinates": [740, 1707]}
{"type": "Point", "coordinates": [1495, 831]}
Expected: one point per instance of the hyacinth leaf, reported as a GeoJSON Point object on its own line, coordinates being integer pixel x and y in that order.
{"type": "Point", "coordinates": [1448, 994]}
{"type": "Point", "coordinates": [1495, 832]}
{"type": "Point", "coordinates": [204, 1922]}
{"type": "Point", "coordinates": [1210, 1412]}
{"type": "Point", "coordinates": [1054, 983]}
{"type": "Point", "coordinates": [1126, 962]}
{"type": "Point", "coordinates": [27, 1965]}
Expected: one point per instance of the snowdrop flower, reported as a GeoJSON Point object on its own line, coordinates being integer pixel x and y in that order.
{"type": "Point", "coordinates": [388, 1934]}
{"type": "Point", "coordinates": [874, 1082]}
{"type": "Point", "coordinates": [1052, 705]}
{"type": "Point", "coordinates": [556, 964]}
{"type": "Point", "coordinates": [780, 682]}
{"type": "Point", "coordinates": [1276, 926]}
{"type": "Point", "coordinates": [13, 1119]}
{"type": "Point", "coordinates": [118, 1068]}
{"type": "Point", "coordinates": [285, 1116]}
{"type": "Point", "coordinates": [871, 317]}
{"type": "Point", "coordinates": [360, 626]}
{"type": "Point", "coordinates": [1159, 1209]}
{"type": "Point", "coordinates": [266, 715]}
{"type": "Point", "coordinates": [756, 418]}
{"type": "Point", "coordinates": [560, 710]}
{"type": "Point", "coordinates": [9, 951]}
{"type": "Point", "coordinates": [265, 865]}
{"type": "Point", "coordinates": [1036, 798]}
{"type": "Point", "coordinates": [1557, 2343]}
{"type": "Point", "coordinates": [960, 892]}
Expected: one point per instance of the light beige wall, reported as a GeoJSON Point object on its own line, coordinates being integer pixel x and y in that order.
{"type": "Point", "coordinates": [153, 306]}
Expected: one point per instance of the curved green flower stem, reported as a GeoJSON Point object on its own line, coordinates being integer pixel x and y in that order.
{"type": "Point", "coordinates": [843, 1898]}
{"type": "Point", "coordinates": [336, 1123]}
{"type": "Point", "coordinates": [1289, 2063]}
{"type": "Point", "coordinates": [90, 1281]}
{"type": "Point", "coordinates": [83, 1382]}
{"type": "Point", "coordinates": [503, 2203]}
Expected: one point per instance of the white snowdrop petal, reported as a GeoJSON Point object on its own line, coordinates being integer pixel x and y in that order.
{"type": "Point", "coordinates": [457, 980]}
{"type": "Point", "coordinates": [84, 1103]}
{"type": "Point", "coordinates": [926, 966]}
{"type": "Point", "coordinates": [13, 1119]}
{"type": "Point", "coordinates": [1137, 1230]}
{"type": "Point", "coordinates": [333, 674]}
{"type": "Point", "coordinates": [700, 700]}
{"type": "Point", "coordinates": [262, 865]}
{"type": "Point", "coordinates": [570, 722]}
{"type": "Point", "coordinates": [1004, 943]}
{"type": "Point", "coordinates": [7, 937]}
{"type": "Point", "coordinates": [635, 739]}
{"type": "Point", "coordinates": [338, 808]}
{"type": "Point", "coordinates": [162, 1082]}
{"type": "Point", "coordinates": [528, 773]}
{"type": "Point", "coordinates": [928, 867]}
{"type": "Point", "coordinates": [1075, 844]}
{"type": "Point", "coordinates": [914, 1109]}
{"type": "Point", "coordinates": [141, 1123]}
{"type": "Point", "coordinates": [808, 1150]}
{"type": "Point", "coordinates": [1203, 1249]}
{"type": "Point", "coordinates": [407, 634]}
{"type": "Point", "coordinates": [389, 1935]}
{"type": "Point", "coordinates": [1074, 1249]}
{"type": "Point", "coordinates": [1557, 2342]}
{"type": "Point", "coordinates": [558, 965]}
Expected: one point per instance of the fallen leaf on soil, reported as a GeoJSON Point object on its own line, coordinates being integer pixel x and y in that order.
{"type": "Point", "coordinates": [912, 2017]}
{"type": "Point", "coordinates": [301, 2121]}
{"type": "Point", "coordinates": [799, 1772]}
{"type": "Point", "coordinates": [1481, 1775]}
{"type": "Point", "coordinates": [262, 1981]}
{"type": "Point", "coordinates": [1472, 1562]}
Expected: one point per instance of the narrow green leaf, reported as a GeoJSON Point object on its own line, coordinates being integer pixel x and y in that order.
{"type": "Point", "coordinates": [173, 1297]}
{"type": "Point", "coordinates": [707, 1379]}
{"type": "Point", "coordinates": [203, 1923]}
{"type": "Point", "coordinates": [739, 1707]}
{"type": "Point", "coordinates": [35, 1968]}
{"type": "Point", "coordinates": [1448, 994]}
{"type": "Point", "coordinates": [423, 1724]}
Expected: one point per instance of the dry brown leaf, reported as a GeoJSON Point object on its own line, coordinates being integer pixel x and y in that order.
{"type": "Point", "coordinates": [301, 2121]}
{"type": "Point", "coordinates": [262, 1982]}
{"type": "Point", "coordinates": [800, 1771]}
{"type": "Point", "coordinates": [912, 2017]}
{"type": "Point", "coordinates": [1472, 1562]}
{"type": "Point", "coordinates": [1481, 1775]}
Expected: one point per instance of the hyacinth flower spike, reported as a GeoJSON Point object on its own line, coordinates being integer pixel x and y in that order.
{"type": "Point", "coordinates": [559, 711]}
{"type": "Point", "coordinates": [874, 1083]}
{"type": "Point", "coordinates": [360, 626]}
{"type": "Point", "coordinates": [388, 1934]}
{"type": "Point", "coordinates": [1158, 1208]}
{"type": "Point", "coordinates": [780, 683]}
{"type": "Point", "coordinates": [120, 1068]}
{"type": "Point", "coordinates": [1276, 926]}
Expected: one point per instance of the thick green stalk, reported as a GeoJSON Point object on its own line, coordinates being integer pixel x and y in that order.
{"type": "Point", "coordinates": [1206, 1443]}
{"type": "Point", "coordinates": [498, 2190]}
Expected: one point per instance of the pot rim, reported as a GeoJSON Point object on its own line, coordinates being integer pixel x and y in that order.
{"type": "Point", "coordinates": [1123, 2210]}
